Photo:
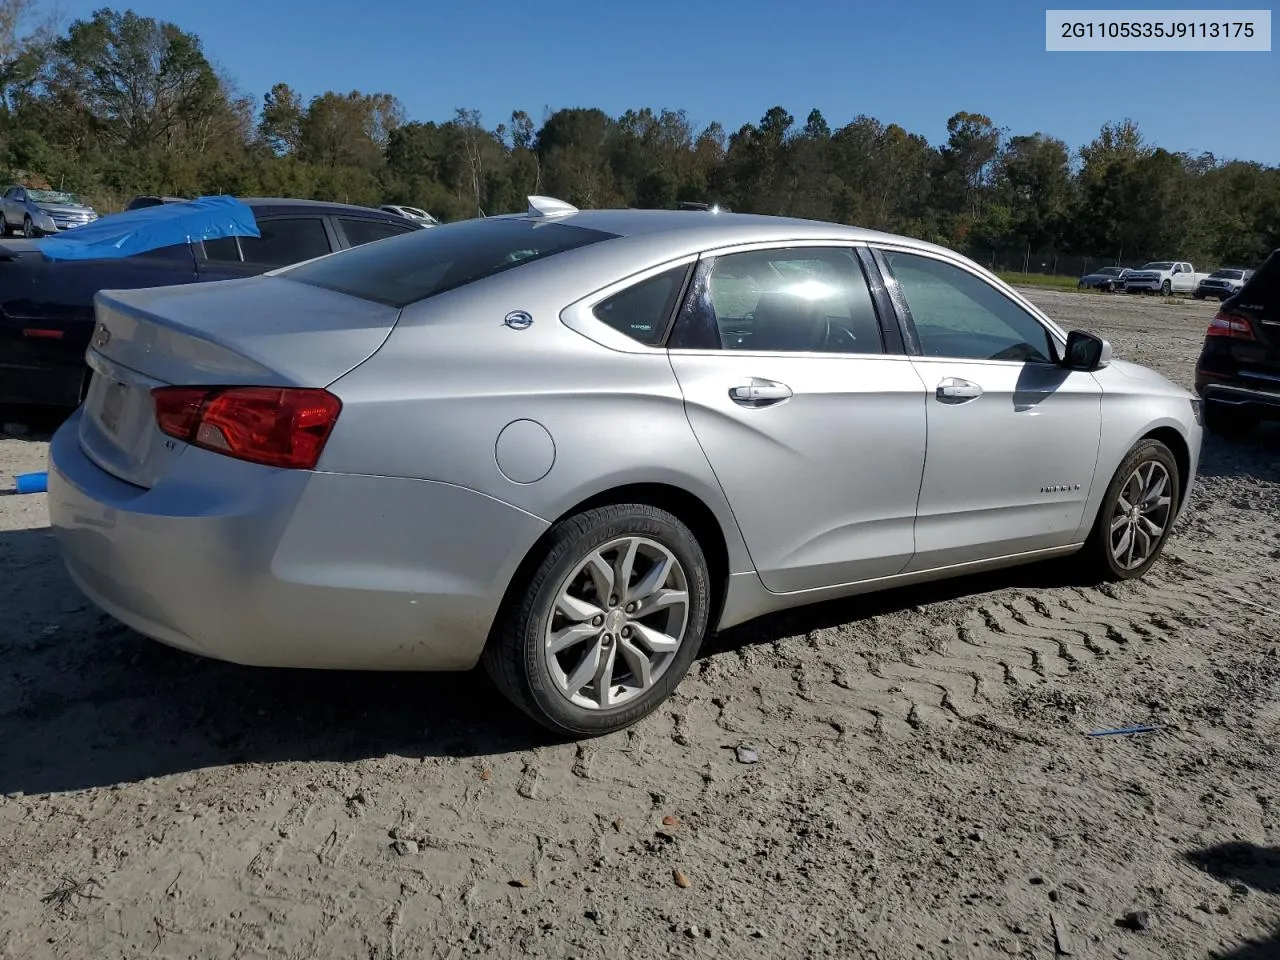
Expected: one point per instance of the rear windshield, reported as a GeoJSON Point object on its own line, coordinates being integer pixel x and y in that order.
{"type": "Point", "coordinates": [402, 270]}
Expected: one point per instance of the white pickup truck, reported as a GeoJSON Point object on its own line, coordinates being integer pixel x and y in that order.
{"type": "Point", "coordinates": [1163, 276]}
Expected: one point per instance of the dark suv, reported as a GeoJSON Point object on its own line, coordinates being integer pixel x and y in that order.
{"type": "Point", "coordinates": [46, 306]}
{"type": "Point", "coordinates": [1238, 373]}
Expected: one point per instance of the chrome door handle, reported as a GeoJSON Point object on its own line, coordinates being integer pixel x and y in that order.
{"type": "Point", "coordinates": [759, 393]}
{"type": "Point", "coordinates": [955, 390]}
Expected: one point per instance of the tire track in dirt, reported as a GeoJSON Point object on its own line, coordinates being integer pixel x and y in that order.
{"type": "Point", "coordinates": [957, 660]}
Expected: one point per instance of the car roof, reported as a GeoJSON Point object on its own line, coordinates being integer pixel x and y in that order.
{"type": "Point", "coordinates": [319, 206]}
{"type": "Point", "coordinates": [706, 229]}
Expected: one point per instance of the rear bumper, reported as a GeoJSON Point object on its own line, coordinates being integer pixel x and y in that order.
{"type": "Point", "coordinates": [1246, 400]}
{"type": "Point", "coordinates": [287, 568]}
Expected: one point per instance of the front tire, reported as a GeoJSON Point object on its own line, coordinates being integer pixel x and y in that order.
{"type": "Point", "coordinates": [1166, 288]}
{"type": "Point", "coordinates": [28, 228]}
{"type": "Point", "coordinates": [1136, 515]}
{"type": "Point", "coordinates": [607, 621]}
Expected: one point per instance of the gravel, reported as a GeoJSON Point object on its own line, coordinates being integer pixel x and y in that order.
{"type": "Point", "coordinates": [923, 763]}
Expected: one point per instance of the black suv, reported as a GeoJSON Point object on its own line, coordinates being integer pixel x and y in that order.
{"type": "Point", "coordinates": [46, 306]}
{"type": "Point", "coordinates": [1238, 373]}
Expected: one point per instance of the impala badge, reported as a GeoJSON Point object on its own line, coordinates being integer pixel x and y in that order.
{"type": "Point", "coordinates": [518, 320]}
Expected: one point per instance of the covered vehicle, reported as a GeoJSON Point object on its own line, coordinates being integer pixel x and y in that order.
{"type": "Point", "coordinates": [47, 286]}
{"type": "Point", "coordinates": [1106, 279]}
{"type": "Point", "coordinates": [1238, 371]}
{"type": "Point", "coordinates": [568, 444]}
{"type": "Point", "coordinates": [34, 213]}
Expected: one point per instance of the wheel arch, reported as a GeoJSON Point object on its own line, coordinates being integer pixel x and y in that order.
{"type": "Point", "coordinates": [687, 507]}
{"type": "Point", "coordinates": [1178, 446]}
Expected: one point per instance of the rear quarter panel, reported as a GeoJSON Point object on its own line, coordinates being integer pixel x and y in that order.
{"type": "Point", "coordinates": [433, 401]}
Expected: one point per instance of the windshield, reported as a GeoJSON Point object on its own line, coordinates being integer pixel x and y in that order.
{"type": "Point", "coordinates": [402, 270]}
{"type": "Point", "coordinates": [1110, 271]}
{"type": "Point", "coordinates": [1229, 274]}
{"type": "Point", "coordinates": [1159, 265]}
{"type": "Point", "coordinates": [52, 196]}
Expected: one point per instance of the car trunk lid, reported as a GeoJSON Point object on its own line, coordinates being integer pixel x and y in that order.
{"type": "Point", "coordinates": [260, 331]}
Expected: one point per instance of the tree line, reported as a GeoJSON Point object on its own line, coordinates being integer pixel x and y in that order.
{"type": "Point", "coordinates": [119, 104]}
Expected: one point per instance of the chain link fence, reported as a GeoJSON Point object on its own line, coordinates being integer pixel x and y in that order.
{"type": "Point", "coordinates": [1048, 262]}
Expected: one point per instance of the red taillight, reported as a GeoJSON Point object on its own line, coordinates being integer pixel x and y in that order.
{"type": "Point", "coordinates": [1228, 325]}
{"type": "Point", "coordinates": [276, 426]}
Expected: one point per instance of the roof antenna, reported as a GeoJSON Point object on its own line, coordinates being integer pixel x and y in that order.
{"type": "Point", "coordinates": [550, 207]}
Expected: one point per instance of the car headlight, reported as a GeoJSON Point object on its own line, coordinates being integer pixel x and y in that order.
{"type": "Point", "coordinates": [44, 223]}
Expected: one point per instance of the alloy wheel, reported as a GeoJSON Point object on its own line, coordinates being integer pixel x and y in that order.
{"type": "Point", "coordinates": [1141, 516]}
{"type": "Point", "coordinates": [617, 623]}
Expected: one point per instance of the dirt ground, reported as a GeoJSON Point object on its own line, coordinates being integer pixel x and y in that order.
{"type": "Point", "coordinates": [924, 785]}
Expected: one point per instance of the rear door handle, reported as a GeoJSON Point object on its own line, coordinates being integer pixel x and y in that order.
{"type": "Point", "coordinates": [955, 390]}
{"type": "Point", "coordinates": [759, 393]}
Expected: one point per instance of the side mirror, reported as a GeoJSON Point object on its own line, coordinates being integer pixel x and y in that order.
{"type": "Point", "coordinates": [1086, 352]}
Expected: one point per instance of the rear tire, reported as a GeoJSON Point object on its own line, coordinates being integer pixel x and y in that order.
{"type": "Point", "coordinates": [561, 603]}
{"type": "Point", "coordinates": [1228, 423]}
{"type": "Point", "coordinates": [1136, 515]}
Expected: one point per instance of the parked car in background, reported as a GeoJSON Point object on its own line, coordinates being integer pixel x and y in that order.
{"type": "Point", "coordinates": [33, 213]}
{"type": "Point", "coordinates": [1106, 279]}
{"type": "Point", "coordinates": [570, 444]}
{"type": "Point", "coordinates": [1223, 283]}
{"type": "Point", "coordinates": [1164, 277]}
{"type": "Point", "coordinates": [46, 306]}
{"type": "Point", "coordinates": [1238, 371]}
{"type": "Point", "coordinates": [150, 200]}
{"type": "Point", "coordinates": [412, 213]}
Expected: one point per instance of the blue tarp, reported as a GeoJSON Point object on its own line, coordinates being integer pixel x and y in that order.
{"type": "Point", "coordinates": [125, 234]}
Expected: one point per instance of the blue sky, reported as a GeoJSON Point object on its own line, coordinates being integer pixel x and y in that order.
{"type": "Point", "coordinates": [913, 63]}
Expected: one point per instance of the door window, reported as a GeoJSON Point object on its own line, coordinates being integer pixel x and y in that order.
{"type": "Point", "coordinates": [957, 314]}
{"type": "Point", "coordinates": [796, 300]}
{"type": "Point", "coordinates": [366, 231]}
{"type": "Point", "coordinates": [285, 241]}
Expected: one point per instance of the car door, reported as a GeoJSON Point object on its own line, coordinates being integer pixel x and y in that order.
{"type": "Point", "coordinates": [1013, 437]}
{"type": "Point", "coordinates": [284, 240]}
{"type": "Point", "coordinates": [815, 432]}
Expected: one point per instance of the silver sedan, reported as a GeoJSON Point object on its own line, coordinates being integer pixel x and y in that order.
{"type": "Point", "coordinates": [568, 444]}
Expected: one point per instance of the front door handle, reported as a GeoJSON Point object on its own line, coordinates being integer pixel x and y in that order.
{"type": "Point", "coordinates": [955, 390]}
{"type": "Point", "coordinates": [759, 393]}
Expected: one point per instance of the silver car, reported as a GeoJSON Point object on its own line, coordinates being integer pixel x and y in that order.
{"type": "Point", "coordinates": [568, 444]}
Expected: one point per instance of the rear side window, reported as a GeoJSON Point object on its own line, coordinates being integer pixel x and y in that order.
{"type": "Point", "coordinates": [360, 232]}
{"type": "Point", "coordinates": [222, 250]}
{"type": "Point", "coordinates": [642, 311]}
{"type": "Point", "coordinates": [423, 263]}
{"type": "Point", "coordinates": [286, 241]}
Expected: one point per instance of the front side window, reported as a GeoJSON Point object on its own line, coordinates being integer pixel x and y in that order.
{"type": "Point", "coordinates": [422, 263]}
{"type": "Point", "coordinates": [796, 300]}
{"type": "Point", "coordinates": [641, 311]}
{"type": "Point", "coordinates": [957, 314]}
{"type": "Point", "coordinates": [286, 240]}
